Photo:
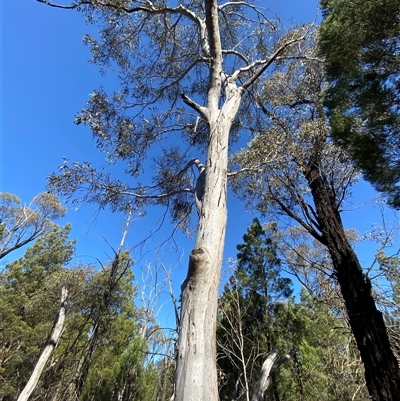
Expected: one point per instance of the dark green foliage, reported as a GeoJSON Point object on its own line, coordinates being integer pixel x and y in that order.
{"type": "Point", "coordinates": [102, 354]}
{"type": "Point", "coordinates": [360, 41]}
{"type": "Point", "coordinates": [326, 366]}
{"type": "Point", "coordinates": [259, 266]}
{"type": "Point", "coordinates": [29, 300]}
{"type": "Point", "coordinates": [247, 312]}
{"type": "Point", "coordinates": [257, 314]}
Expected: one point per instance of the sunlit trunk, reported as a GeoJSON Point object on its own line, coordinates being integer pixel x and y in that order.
{"type": "Point", "coordinates": [196, 373]}
{"type": "Point", "coordinates": [44, 357]}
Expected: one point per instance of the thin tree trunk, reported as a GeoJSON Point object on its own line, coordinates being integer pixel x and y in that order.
{"type": "Point", "coordinates": [381, 368]}
{"type": "Point", "coordinates": [44, 357]}
{"type": "Point", "coordinates": [114, 276]}
{"type": "Point", "coordinates": [164, 380]}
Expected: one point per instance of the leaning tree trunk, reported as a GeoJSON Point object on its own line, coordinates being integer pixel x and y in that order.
{"type": "Point", "coordinates": [381, 368]}
{"type": "Point", "coordinates": [267, 371]}
{"type": "Point", "coordinates": [44, 357]}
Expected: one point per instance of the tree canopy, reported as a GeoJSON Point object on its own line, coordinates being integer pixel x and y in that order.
{"type": "Point", "coordinates": [185, 71]}
{"type": "Point", "coordinates": [102, 353]}
{"type": "Point", "coordinates": [360, 43]}
{"type": "Point", "coordinates": [21, 224]}
{"type": "Point", "coordinates": [308, 179]}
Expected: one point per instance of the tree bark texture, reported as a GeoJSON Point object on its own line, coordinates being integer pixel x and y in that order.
{"type": "Point", "coordinates": [44, 357]}
{"type": "Point", "coordinates": [263, 380]}
{"type": "Point", "coordinates": [381, 368]}
{"type": "Point", "coordinates": [196, 372]}
{"type": "Point", "coordinates": [266, 374]}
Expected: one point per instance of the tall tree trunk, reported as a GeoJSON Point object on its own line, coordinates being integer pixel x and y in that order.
{"type": "Point", "coordinates": [44, 357]}
{"type": "Point", "coordinates": [196, 372]}
{"type": "Point", "coordinates": [381, 368]}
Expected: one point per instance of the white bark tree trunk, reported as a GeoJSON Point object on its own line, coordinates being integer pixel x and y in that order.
{"type": "Point", "coordinates": [196, 374]}
{"type": "Point", "coordinates": [44, 357]}
{"type": "Point", "coordinates": [268, 367]}
{"type": "Point", "coordinates": [196, 371]}
{"type": "Point", "coordinates": [263, 380]}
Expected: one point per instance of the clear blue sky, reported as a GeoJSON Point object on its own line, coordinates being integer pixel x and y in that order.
{"type": "Point", "coordinates": [46, 79]}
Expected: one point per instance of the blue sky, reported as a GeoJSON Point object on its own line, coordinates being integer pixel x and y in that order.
{"type": "Point", "coordinates": [46, 79]}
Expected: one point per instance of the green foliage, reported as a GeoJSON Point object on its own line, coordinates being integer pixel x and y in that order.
{"type": "Point", "coordinates": [106, 353]}
{"type": "Point", "coordinates": [118, 369]}
{"type": "Point", "coordinates": [259, 266]}
{"type": "Point", "coordinates": [247, 312]}
{"type": "Point", "coordinates": [101, 354]}
{"type": "Point", "coordinates": [29, 299]}
{"type": "Point", "coordinates": [360, 42]}
{"type": "Point", "coordinates": [257, 314]}
{"type": "Point", "coordinates": [21, 224]}
{"type": "Point", "coordinates": [326, 365]}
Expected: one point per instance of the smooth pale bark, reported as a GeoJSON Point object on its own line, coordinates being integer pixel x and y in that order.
{"type": "Point", "coordinates": [44, 357]}
{"type": "Point", "coordinates": [267, 369]}
{"type": "Point", "coordinates": [196, 371]}
{"type": "Point", "coordinates": [263, 380]}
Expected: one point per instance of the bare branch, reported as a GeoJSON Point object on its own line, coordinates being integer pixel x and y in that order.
{"type": "Point", "coordinates": [254, 8]}
{"type": "Point", "coordinates": [157, 196]}
{"type": "Point", "coordinates": [203, 111]}
{"type": "Point", "coordinates": [268, 62]}
{"type": "Point", "coordinates": [236, 53]}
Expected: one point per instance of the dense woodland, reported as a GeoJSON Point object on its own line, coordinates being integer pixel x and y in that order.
{"type": "Point", "coordinates": [290, 119]}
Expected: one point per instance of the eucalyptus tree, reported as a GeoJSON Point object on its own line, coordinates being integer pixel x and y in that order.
{"type": "Point", "coordinates": [22, 224]}
{"type": "Point", "coordinates": [184, 68]}
{"type": "Point", "coordinates": [292, 167]}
